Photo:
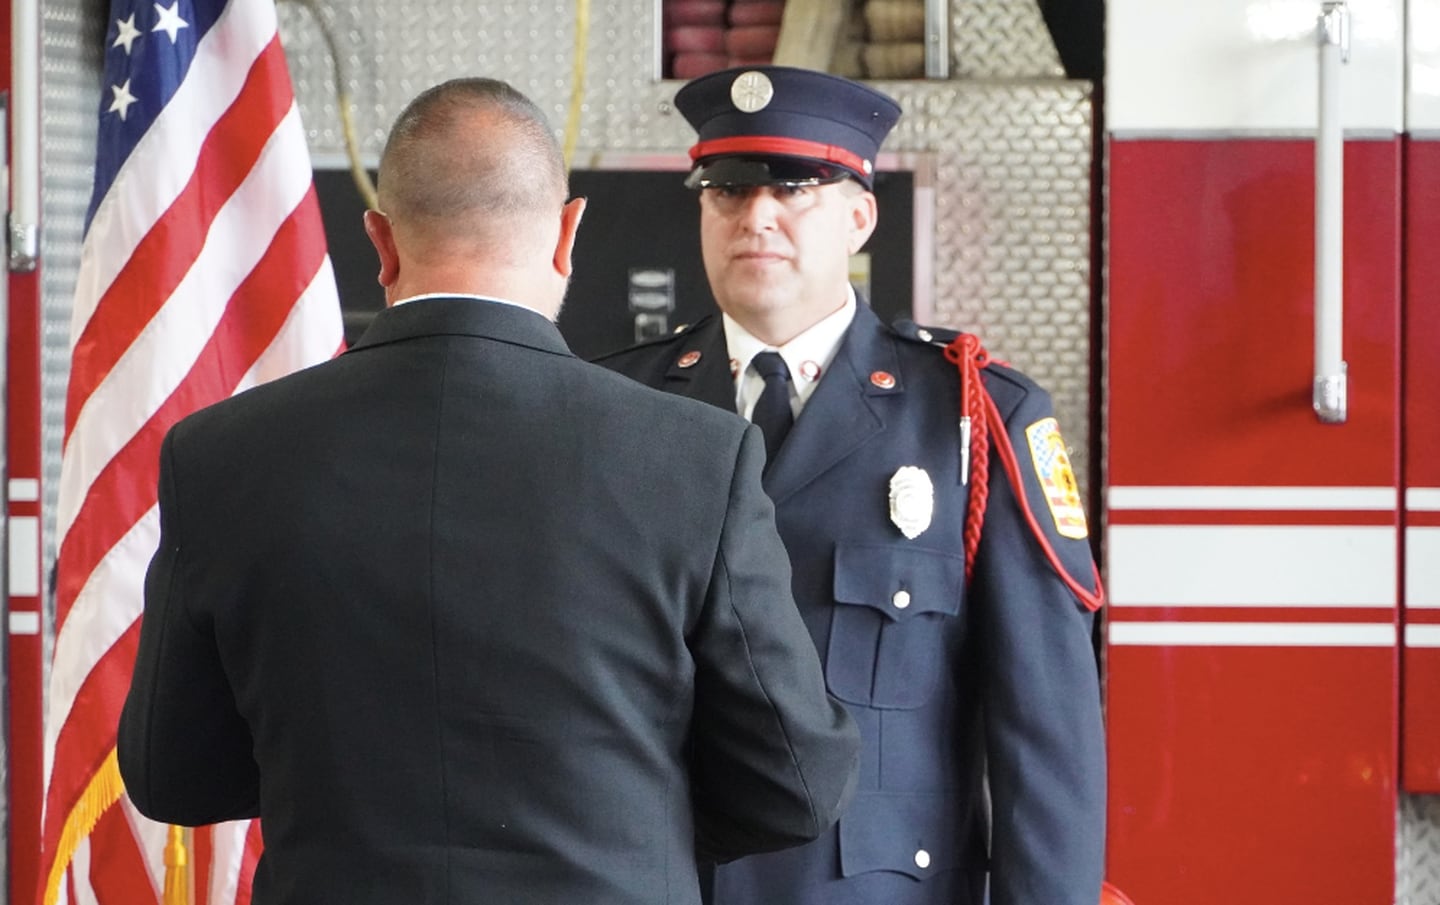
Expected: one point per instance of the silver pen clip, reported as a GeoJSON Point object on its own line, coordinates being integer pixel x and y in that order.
{"type": "Point", "coordinates": [964, 450]}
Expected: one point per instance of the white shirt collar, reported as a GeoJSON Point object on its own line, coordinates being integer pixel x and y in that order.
{"type": "Point", "coordinates": [807, 355]}
{"type": "Point", "coordinates": [465, 295]}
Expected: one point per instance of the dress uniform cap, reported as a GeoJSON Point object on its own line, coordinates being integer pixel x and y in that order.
{"type": "Point", "coordinates": [767, 125]}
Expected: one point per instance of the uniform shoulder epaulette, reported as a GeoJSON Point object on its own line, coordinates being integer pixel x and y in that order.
{"type": "Point", "coordinates": [942, 337]}
{"type": "Point", "coordinates": [933, 336]}
{"type": "Point", "coordinates": [675, 335]}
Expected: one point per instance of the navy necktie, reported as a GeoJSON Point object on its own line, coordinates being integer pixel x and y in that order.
{"type": "Point", "coordinates": [772, 411]}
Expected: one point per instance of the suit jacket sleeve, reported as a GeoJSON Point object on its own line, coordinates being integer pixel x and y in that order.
{"type": "Point", "coordinates": [1044, 733]}
{"type": "Point", "coordinates": [185, 752]}
{"type": "Point", "coordinates": [774, 758]}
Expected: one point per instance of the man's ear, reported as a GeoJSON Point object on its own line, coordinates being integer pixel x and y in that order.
{"type": "Point", "coordinates": [382, 236]}
{"type": "Point", "coordinates": [864, 213]}
{"type": "Point", "coordinates": [570, 216]}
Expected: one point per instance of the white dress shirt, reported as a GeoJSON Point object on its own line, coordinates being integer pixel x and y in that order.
{"type": "Point", "coordinates": [807, 356]}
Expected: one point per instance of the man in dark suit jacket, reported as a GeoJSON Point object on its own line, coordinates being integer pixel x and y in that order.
{"type": "Point", "coordinates": [958, 634]}
{"type": "Point", "coordinates": [462, 618]}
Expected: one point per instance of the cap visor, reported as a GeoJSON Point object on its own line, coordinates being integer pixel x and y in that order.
{"type": "Point", "coordinates": [740, 171]}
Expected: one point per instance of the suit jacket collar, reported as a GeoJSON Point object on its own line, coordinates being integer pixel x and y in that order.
{"type": "Point", "coordinates": [700, 367]}
{"type": "Point", "coordinates": [843, 413]}
{"type": "Point", "coordinates": [463, 317]}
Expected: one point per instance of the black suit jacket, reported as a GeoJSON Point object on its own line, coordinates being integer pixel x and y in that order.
{"type": "Point", "coordinates": [464, 619]}
{"type": "Point", "coordinates": [951, 681]}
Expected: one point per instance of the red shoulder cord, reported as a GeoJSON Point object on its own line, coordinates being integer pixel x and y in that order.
{"type": "Point", "coordinates": [977, 413]}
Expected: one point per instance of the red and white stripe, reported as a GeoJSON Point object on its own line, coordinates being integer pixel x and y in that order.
{"type": "Point", "coordinates": [1272, 566]}
{"type": "Point", "coordinates": [1422, 570]}
{"type": "Point", "coordinates": [1252, 566]}
{"type": "Point", "coordinates": [204, 272]}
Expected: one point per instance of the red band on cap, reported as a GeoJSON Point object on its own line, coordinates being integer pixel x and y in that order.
{"type": "Point", "coordinates": [790, 147]}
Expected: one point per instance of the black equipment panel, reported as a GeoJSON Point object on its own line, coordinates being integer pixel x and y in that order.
{"type": "Point", "coordinates": [639, 242]}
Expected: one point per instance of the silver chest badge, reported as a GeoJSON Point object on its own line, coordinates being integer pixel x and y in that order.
{"type": "Point", "coordinates": [912, 500]}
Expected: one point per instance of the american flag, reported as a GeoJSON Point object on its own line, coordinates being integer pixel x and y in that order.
{"type": "Point", "coordinates": [203, 272]}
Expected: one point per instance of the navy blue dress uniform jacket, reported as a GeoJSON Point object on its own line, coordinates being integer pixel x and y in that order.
{"type": "Point", "coordinates": [465, 619]}
{"type": "Point", "coordinates": [1000, 672]}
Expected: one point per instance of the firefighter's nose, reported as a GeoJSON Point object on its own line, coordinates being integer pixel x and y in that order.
{"type": "Point", "coordinates": [760, 211]}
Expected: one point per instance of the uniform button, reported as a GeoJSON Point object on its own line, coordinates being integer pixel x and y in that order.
{"type": "Point", "coordinates": [689, 359]}
{"type": "Point", "coordinates": [901, 601]}
{"type": "Point", "coordinates": [922, 859]}
{"type": "Point", "coordinates": [925, 335]}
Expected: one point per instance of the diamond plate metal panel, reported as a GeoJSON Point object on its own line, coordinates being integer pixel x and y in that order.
{"type": "Point", "coordinates": [1012, 223]}
{"type": "Point", "coordinates": [1001, 39]}
{"type": "Point", "coordinates": [390, 51]}
{"type": "Point", "coordinates": [1417, 851]}
{"type": "Point", "coordinates": [72, 40]}
{"type": "Point", "coordinates": [1011, 252]}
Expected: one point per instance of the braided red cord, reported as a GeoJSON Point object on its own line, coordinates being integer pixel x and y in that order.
{"type": "Point", "coordinates": [966, 353]}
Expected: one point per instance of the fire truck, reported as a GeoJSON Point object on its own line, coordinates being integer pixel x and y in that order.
{"type": "Point", "coordinates": [1270, 501]}
{"type": "Point", "coordinates": [1218, 251]}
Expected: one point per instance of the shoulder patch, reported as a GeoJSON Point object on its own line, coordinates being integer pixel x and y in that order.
{"type": "Point", "coordinates": [1057, 479]}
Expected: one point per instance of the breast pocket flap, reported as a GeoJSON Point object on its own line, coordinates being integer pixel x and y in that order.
{"type": "Point", "coordinates": [901, 582]}
{"type": "Point", "coordinates": [893, 613]}
{"type": "Point", "coordinates": [915, 835]}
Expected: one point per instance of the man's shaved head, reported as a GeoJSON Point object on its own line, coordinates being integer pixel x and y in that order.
{"type": "Point", "coordinates": [471, 156]}
{"type": "Point", "coordinates": [472, 199]}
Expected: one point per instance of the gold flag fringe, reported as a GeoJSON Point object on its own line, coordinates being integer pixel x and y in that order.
{"type": "Point", "coordinates": [104, 790]}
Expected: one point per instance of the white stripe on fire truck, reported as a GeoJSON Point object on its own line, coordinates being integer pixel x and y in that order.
{"type": "Point", "coordinates": [1283, 581]}
{"type": "Point", "coordinates": [1251, 634]}
{"type": "Point", "coordinates": [1251, 565]}
{"type": "Point", "coordinates": [1422, 567]}
{"type": "Point", "coordinates": [1289, 499]}
{"type": "Point", "coordinates": [1422, 636]}
{"type": "Point", "coordinates": [1422, 499]}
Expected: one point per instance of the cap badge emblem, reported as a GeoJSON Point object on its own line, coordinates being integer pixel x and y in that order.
{"type": "Point", "coordinates": [751, 91]}
{"type": "Point", "coordinates": [912, 500]}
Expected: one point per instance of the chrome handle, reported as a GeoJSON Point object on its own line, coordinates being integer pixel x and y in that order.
{"type": "Point", "coordinates": [1331, 389]}
{"type": "Point", "coordinates": [24, 215]}
{"type": "Point", "coordinates": [937, 39]}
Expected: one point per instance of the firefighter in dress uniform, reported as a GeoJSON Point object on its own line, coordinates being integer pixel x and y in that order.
{"type": "Point", "coordinates": [924, 494]}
